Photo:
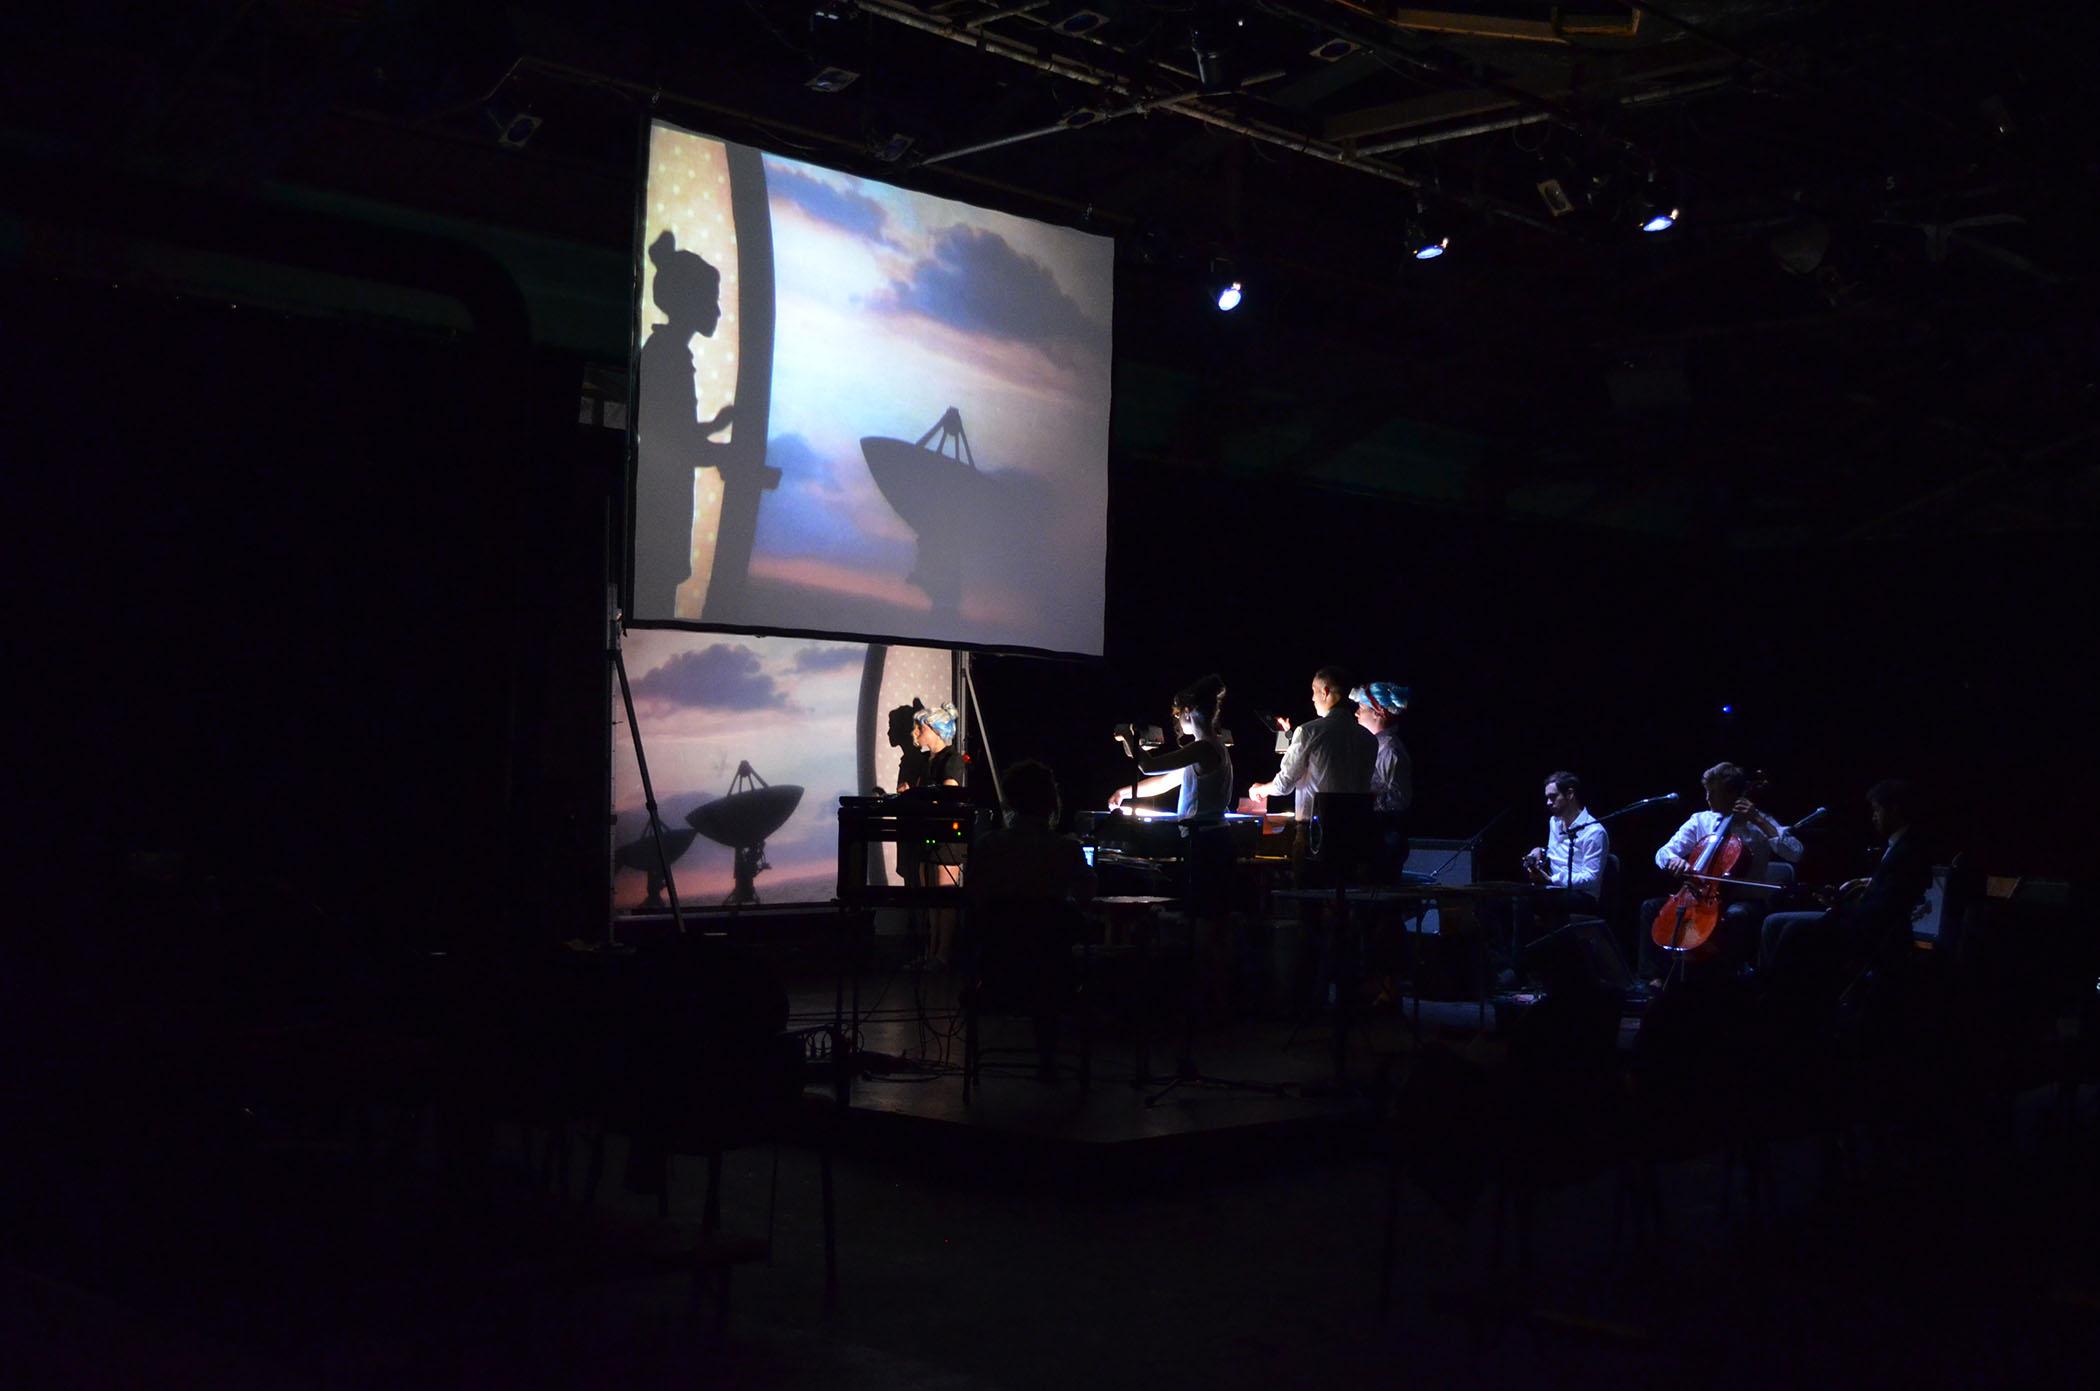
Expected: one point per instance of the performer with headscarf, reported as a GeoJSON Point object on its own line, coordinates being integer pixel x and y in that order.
{"type": "Point", "coordinates": [1378, 708]}
{"type": "Point", "coordinates": [933, 730]}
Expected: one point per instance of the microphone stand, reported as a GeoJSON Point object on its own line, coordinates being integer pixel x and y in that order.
{"type": "Point", "coordinates": [1471, 842]}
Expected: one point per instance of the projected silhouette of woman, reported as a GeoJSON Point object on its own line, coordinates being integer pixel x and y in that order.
{"type": "Point", "coordinates": [672, 439]}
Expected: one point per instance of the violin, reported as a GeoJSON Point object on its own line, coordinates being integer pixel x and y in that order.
{"type": "Point", "coordinates": [1688, 920]}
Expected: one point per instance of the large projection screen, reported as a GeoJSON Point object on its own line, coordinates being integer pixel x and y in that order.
{"type": "Point", "coordinates": [808, 718]}
{"type": "Point", "coordinates": [864, 411]}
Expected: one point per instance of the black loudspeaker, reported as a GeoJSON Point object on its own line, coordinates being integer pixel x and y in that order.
{"type": "Point", "coordinates": [1580, 956]}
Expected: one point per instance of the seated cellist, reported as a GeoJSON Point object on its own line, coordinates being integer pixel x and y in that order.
{"type": "Point", "coordinates": [1734, 942]}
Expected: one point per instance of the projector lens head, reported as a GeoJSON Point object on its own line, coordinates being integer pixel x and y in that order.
{"type": "Point", "coordinates": [1429, 251]}
{"type": "Point", "coordinates": [1229, 298]}
{"type": "Point", "coordinates": [1660, 221]}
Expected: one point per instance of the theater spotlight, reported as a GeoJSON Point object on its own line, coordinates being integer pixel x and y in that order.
{"type": "Point", "coordinates": [1331, 50]}
{"type": "Point", "coordinates": [1225, 287]}
{"type": "Point", "coordinates": [1078, 22]}
{"type": "Point", "coordinates": [831, 79]}
{"type": "Point", "coordinates": [1656, 208]}
{"type": "Point", "coordinates": [1425, 240]}
{"type": "Point", "coordinates": [1229, 296]}
{"type": "Point", "coordinates": [1212, 37]}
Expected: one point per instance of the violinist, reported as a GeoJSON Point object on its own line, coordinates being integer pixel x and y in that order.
{"type": "Point", "coordinates": [1868, 919]}
{"type": "Point", "coordinates": [1734, 942]}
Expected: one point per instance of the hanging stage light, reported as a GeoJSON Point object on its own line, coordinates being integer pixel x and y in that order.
{"type": "Point", "coordinates": [1229, 296]}
{"type": "Point", "coordinates": [1077, 22]}
{"type": "Point", "coordinates": [1426, 239]}
{"type": "Point", "coordinates": [1656, 208]}
{"type": "Point", "coordinates": [1225, 288]}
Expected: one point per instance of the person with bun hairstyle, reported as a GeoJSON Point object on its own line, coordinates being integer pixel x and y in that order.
{"type": "Point", "coordinates": [672, 441]}
{"type": "Point", "coordinates": [1200, 771]}
{"type": "Point", "coordinates": [1200, 768]}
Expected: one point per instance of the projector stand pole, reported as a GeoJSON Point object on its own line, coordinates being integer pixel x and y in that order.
{"type": "Point", "coordinates": [977, 724]}
{"type": "Point", "coordinates": [641, 762]}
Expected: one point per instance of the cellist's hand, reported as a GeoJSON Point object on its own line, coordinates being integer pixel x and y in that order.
{"type": "Point", "coordinates": [1676, 864]}
{"type": "Point", "coordinates": [1747, 809]}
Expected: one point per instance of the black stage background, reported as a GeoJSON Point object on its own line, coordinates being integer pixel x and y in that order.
{"type": "Point", "coordinates": [318, 602]}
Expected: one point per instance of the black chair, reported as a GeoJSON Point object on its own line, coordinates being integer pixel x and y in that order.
{"type": "Point", "coordinates": [708, 1067]}
{"type": "Point", "coordinates": [1343, 840]}
{"type": "Point", "coordinates": [1587, 948]}
{"type": "Point", "coordinates": [1019, 960]}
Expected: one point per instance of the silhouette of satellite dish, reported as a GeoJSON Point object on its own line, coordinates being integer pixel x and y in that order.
{"type": "Point", "coordinates": [920, 480]}
{"type": "Point", "coordinates": [742, 820]}
{"type": "Point", "coordinates": [641, 854]}
{"type": "Point", "coordinates": [745, 818]}
{"type": "Point", "coordinates": [928, 484]}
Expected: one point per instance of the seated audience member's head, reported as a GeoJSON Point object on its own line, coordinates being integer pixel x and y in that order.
{"type": "Point", "coordinates": [1031, 791]}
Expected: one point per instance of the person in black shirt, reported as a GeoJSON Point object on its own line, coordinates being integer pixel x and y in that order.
{"type": "Point", "coordinates": [933, 731]}
{"type": "Point", "coordinates": [1869, 921]}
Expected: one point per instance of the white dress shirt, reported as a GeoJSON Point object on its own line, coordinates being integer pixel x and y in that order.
{"type": "Point", "coordinates": [1330, 754]}
{"type": "Point", "coordinates": [1587, 848]}
{"type": "Point", "coordinates": [1758, 847]}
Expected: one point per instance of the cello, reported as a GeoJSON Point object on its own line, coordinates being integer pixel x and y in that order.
{"type": "Point", "coordinates": [1687, 921]}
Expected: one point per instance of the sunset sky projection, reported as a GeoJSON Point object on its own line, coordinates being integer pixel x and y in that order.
{"type": "Point", "coordinates": [890, 308]}
{"type": "Point", "coordinates": [786, 705]}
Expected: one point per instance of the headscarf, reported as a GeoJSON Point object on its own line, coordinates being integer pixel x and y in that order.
{"type": "Point", "coordinates": [940, 719]}
{"type": "Point", "coordinates": [1383, 696]}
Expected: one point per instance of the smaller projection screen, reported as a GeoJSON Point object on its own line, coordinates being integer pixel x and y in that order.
{"type": "Point", "coordinates": [865, 411]}
{"type": "Point", "coordinates": [751, 742]}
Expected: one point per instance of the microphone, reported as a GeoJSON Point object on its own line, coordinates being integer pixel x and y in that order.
{"type": "Point", "coordinates": [1663, 800]}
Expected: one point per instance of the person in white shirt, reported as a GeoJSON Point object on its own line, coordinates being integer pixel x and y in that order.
{"type": "Point", "coordinates": [1571, 860]}
{"type": "Point", "coordinates": [1330, 753]}
{"type": "Point", "coordinates": [1576, 845]}
{"type": "Point", "coordinates": [1735, 940]}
